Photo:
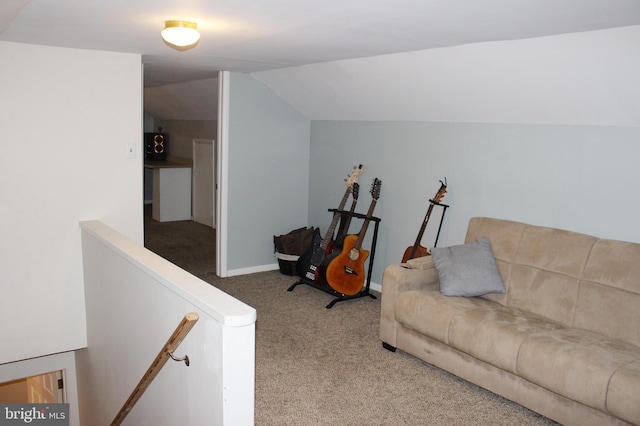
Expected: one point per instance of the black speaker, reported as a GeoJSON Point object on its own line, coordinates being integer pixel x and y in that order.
{"type": "Point", "coordinates": [156, 145]}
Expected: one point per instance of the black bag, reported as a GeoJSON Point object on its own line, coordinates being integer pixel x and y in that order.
{"type": "Point", "coordinates": [290, 247]}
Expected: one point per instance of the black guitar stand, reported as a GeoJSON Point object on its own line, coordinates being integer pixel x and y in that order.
{"type": "Point", "coordinates": [339, 297]}
{"type": "Point", "coordinates": [444, 211]}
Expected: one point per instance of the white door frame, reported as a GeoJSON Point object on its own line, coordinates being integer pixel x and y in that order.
{"type": "Point", "coordinates": [222, 162]}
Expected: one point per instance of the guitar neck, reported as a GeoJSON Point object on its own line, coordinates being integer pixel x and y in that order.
{"type": "Point", "coordinates": [365, 225]}
{"type": "Point", "coordinates": [424, 225]}
{"type": "Point", "coordinates": [336, 216]}
{"type": "Point", "coordinates": [347, 221]}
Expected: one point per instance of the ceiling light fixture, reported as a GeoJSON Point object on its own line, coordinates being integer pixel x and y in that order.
{"type": "Point", "coordinates": [180, 33]}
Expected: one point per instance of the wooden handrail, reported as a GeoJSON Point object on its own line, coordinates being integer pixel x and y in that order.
{"type": "Point", "coordinates": [166, 352]}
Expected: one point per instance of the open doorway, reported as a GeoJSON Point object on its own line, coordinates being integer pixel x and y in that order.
{"type": "Point", "coordinates": [41, 389]}
{"type": "Point", "coordinates": [204, 177]}
{"type": "Point", "coordinates": [188, 115]}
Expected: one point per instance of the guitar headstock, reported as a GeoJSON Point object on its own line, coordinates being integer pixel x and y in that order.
{"type": "Point", "coordinates": [355, 190]}
{"type": "Point", "coordinates": [441, 191]}
{"type": "Point", "coordinates": [353, 178]}
{"type": "Point", "coordinates": [375, 188]}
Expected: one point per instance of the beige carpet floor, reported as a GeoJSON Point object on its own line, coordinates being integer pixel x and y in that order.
{"type": "Point", "coordinates": [318, 366]}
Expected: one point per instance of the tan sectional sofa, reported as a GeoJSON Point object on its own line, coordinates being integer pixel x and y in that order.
{"type": "Point", "coordinates": [563, 340]}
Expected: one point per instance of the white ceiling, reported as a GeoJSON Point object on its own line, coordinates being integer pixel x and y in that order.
{"type": "Point", "coordinates": [259, 35]}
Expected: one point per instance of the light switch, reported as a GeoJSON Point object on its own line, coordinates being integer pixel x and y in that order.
{"type": "Point", "coordinates": [130, 150]}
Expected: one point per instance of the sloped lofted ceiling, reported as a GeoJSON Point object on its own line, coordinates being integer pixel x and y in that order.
{"type": "Point", "coordinates": [586, 78]}
{"type": "Point", "coordinates": [249, 36]}
{"type": "Point", "coordinates": [261, 36]}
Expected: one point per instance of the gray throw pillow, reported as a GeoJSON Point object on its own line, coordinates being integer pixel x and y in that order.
{"type": "Point", "coordinates": [467, 270]}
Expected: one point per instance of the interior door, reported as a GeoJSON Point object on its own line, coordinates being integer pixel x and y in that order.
{"type": "Point", "coordinates": [203, 182]}
{"type": "Point", "coordinates": [43, 389]}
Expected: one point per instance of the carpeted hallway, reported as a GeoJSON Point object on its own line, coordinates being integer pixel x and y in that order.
{"type": "Point", "coordinates": [318, 366]}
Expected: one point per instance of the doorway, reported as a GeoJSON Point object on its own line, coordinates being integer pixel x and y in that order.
{"type": "Point", "coordinates": [188, 113]}
{"type": "Point", "coordinates": [41, 389]}
{"type": "Point", "coordinates": [204, 175]}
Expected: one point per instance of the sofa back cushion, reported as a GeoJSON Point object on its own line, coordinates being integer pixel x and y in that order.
{"type": "Point", "coordinates": [609, 297]}
{"type": "Point", "coordinates": [570, 278]}
{"type": "Point", "coordinates": [546, 272]}
{"type": "Point", "coordinates": [541, 267]}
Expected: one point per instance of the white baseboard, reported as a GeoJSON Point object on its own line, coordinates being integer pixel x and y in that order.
{"type": "Point", "coordinates": [274, 266]}
{"type": "Point", "coordinates": [252, 270]}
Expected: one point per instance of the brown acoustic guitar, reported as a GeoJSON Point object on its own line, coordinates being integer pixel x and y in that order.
{"type": "Point", "coordinates": [345, 272]}
{"type": "Point", "coordinates": [417, 250]}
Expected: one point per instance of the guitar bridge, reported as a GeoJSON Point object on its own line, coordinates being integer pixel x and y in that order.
{"type": "Point", "coordinates": [349, 271]}
{"type": "Point", "coordinates": [311, 273]}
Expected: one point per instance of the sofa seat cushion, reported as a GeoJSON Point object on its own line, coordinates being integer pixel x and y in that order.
{"type": "Point", "coordinates": [494, 334]}
{"type": "Point", "coordinates": [430, 313]}
{"type": "Point", "coordinates": [578, 364]}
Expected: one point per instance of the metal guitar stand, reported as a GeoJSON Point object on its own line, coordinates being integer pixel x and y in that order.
{"type": "Point", "coordinates": [444, 211]}
{"type": "Point", "coordinates": [339, 297]}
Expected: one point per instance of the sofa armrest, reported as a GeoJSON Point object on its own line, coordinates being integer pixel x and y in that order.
{"type": "Point", "coordinates": [416, 274]}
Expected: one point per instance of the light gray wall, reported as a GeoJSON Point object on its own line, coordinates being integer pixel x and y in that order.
{"type": "Point", "coordinates": [582, 178]}
{"type": "Point", "coordinates": [563, 152]}
{"type": "Point", "coordinates": [268, 172]}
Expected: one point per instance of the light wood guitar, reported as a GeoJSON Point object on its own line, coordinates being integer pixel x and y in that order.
{"type": "Point", "coordinates": [345, 272]}
{"type": "Point", "coordinates": [417, 250]}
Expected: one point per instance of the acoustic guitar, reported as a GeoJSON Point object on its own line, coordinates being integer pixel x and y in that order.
{"type": "Point", "coordinates": [308, 263]}
{"type": "Point", "coordinates": [417, 250]}
{"type": "Point", "coordinates": [345, 272]}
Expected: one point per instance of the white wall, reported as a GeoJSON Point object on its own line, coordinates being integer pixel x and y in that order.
{"type": "Point", "coordinates": [135, 300]}
{"type": "Point", "coordinates": [65, 118]}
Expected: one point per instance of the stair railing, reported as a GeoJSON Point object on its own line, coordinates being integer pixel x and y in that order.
{"type": "Point", "coordinates": [165, 353]}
